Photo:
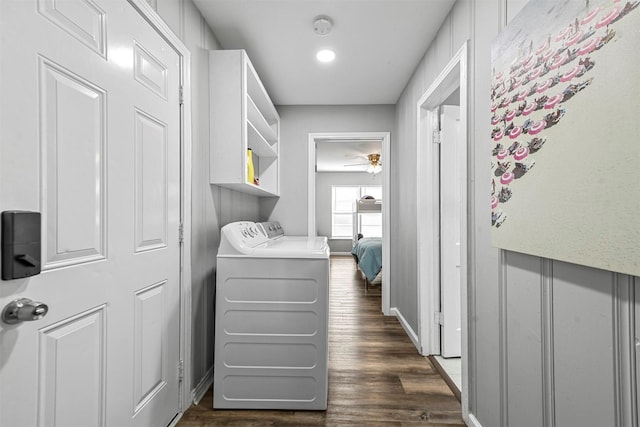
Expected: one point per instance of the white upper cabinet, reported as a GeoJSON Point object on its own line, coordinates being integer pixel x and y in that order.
{"type": "Point", "coordinates": [242, 117]}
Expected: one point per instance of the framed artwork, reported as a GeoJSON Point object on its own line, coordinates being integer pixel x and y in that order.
{"type": "Point", "coordinates": [565, 133]}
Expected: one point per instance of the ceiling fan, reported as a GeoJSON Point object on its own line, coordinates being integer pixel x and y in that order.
{"type": "Point", "coordinates": [375, 165]}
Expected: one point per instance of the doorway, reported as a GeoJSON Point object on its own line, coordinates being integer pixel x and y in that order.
{"type": "Point", "coordinates": [442, 217]}
{"type": "Point", "coordinates": [337, 137]}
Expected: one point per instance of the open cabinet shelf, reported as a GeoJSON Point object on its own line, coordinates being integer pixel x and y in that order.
{"type": "Point", "coordinates": [242, 117]}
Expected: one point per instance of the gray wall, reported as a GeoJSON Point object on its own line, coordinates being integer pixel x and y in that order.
{"type": "Point", "coordinates": [324, 181]}
{"type": "Point", "coordinates": [550, 343]}
{"type": "Point", "coordinates": [404, 174]}
{"type": "Point", "coordinates": [211, 206]}
{"type": "Point", "coordinates": [296, 122]}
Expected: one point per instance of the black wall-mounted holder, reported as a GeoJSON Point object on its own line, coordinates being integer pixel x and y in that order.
{"type": "Point", "coordinates": [21, 247]}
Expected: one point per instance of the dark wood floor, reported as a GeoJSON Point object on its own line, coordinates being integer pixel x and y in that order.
{"type": "Point", "coordinates": [376, 376]}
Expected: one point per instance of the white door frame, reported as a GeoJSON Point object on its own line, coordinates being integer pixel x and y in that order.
{"type": "Point", "coordinates": [150, 15]}
{"type": "Point", "coordinates": [386, 224]}
{"type": "Point", "coordinates": [454, 75]}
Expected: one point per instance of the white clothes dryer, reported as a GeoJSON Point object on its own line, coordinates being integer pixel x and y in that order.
{"type": "Point", "coordinates": [271, 345]}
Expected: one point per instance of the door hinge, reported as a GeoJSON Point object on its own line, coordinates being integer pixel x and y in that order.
{"type": "Point", "coordinates": [181, 95]}
{"type": "Point", "coordinates": [437, 136]}
{"type": "Point", "coordinates": [181, 370]}
{"type": "Point", "coordinates": [438, 318]}
{"type": "Point", "coordinates": [181, 233]}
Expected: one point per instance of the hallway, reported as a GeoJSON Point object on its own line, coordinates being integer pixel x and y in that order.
{"type": "Point", "coordinates": [376, 376]}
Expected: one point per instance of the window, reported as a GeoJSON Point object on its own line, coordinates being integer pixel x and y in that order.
{"type": "Point", "coordinates": [342, 199]}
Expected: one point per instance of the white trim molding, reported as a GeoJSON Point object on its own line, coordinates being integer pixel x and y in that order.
{"type": "Point", "coordinates": [385, 138]}
{"type": "Point", "coordinates": [453, 76]}
{"type": "Point", "coordinates": [405, 325]}
{"type": "Point", "coordinates": [201, 389]}
{"type": "Point", "coordinates": [471, 420]}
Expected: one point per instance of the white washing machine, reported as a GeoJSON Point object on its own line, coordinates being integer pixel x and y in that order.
{"type": "Point", "coordinates": [271, 346]}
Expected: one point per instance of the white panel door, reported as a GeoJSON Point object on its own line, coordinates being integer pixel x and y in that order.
{"type": "Point", "coordinates": [90, 137]}
{"type": "Point", "coordinates": [450, 210]}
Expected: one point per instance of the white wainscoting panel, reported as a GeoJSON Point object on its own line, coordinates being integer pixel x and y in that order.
{"type": "Point", "coordinates": [583, 301]}
{"type": "Point", "coordinates": [523, 339]}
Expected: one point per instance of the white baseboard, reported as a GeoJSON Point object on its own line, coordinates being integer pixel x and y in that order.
{"type": "Point", "coordinates": [471, 421]}
{"type": "Point", "coordinates": [198, 393]}
{"type": "Point", "coordinates": [405, 325]}
{"type": "Point", "coordinates": [174, 422]}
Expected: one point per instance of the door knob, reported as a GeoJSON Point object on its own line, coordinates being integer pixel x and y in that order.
{"type": "Point", "coordinates": [23, 309]}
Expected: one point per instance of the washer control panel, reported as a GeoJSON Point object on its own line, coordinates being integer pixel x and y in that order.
{"type": "Point", "coordinates": [241, 236]}
{"type": "Point", "coordinates": [272, 229]}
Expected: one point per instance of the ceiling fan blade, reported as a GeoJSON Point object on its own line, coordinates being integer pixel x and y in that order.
{"type": "Point", "coordinates": [357, 164]}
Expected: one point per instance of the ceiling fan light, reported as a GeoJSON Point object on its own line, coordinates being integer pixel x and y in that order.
{"type": "Point", "coordinates": [374, 158]}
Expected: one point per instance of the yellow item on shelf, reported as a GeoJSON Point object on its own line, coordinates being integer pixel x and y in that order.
{"type": "Point", "coordinates": [250, 172]}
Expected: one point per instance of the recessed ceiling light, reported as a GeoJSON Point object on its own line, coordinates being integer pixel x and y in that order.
{"type": "Point", "coordinates": [326, 55]}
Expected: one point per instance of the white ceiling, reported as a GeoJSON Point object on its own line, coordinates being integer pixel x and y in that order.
{"type": "Point", "coordinates": [378, 44]}
{"type": "Point", "coordinates": [346, 155]}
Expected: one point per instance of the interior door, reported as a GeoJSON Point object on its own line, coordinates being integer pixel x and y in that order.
{"type": "Point", "coordinates": [90, 137]}
{"type": "Point", "coordinates": [450, 210]}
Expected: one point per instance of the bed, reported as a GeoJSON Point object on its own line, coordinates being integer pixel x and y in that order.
{"type": "Point", "coordinates": [365, 206]}
{"type": "Point", "coordinates": [367, 253]}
